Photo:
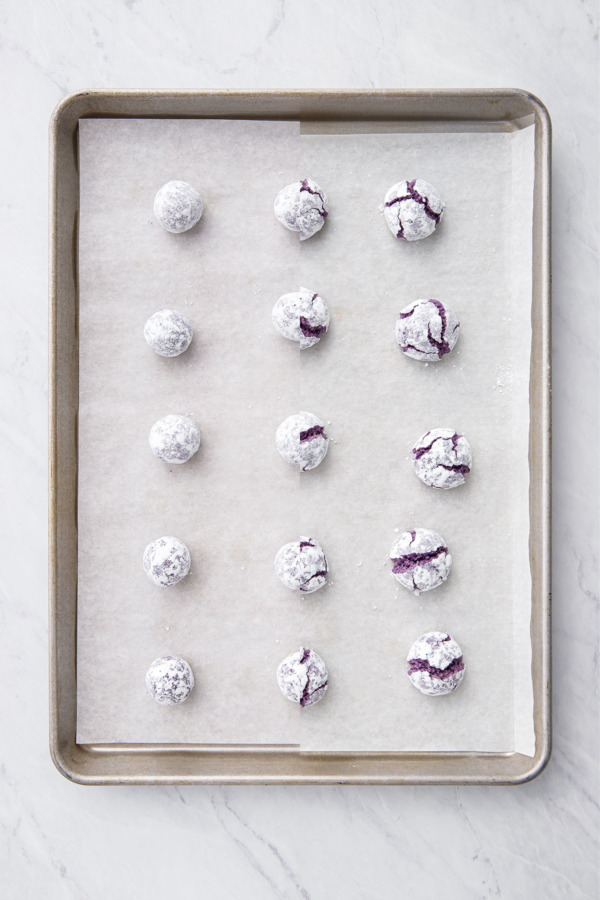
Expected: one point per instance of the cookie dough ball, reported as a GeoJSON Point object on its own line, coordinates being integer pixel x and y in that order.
{"type": "Point", "coordinates": [301, 439]}
{"type": "Point", "coordinates": [170, 680]}
{"type": "Point", "coordinates": [427, 330]}
{"type": "Point", "coordinates": [303, 677]}
{"type": "Point", "coordinates": [174, 439]}
{"type": "Point", "coordinates": [301, 316]}
{"type": "Point", "coordinates": [166, 561]}
{"type": "Point", "coordinates": [177, 206]}
{"type": "Point", "coordinates": [421, 560]}
{"type": "Point", "coordinates": [435, 664]}
{"type": "Point", "coordinates": [168, 332]}
{"type": "Point", "coordinates": [413, 209]}
{"type": "Point", "coordinates": [302, 566]}
{"type": "Point", "coordinates": [302, 207]}
{"type": "Point", "coordinates": [442, 458]}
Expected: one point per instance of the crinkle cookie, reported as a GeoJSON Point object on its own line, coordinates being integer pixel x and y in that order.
{"type": "Point", "coordinates": [168, 332]}
{"type": "Point", "coordinates": [177, 206]}
{"type": "Point", "coordinates": [303, 677]}
{"type": "Point", "coordinates": [301, 316]}
{"type": "Point", "coordinates": [174, 439]}
{"type": "Point", "coordinates": [413, 209]}
{"type": "Point", "coordinates": [435, 664]}
{"type": "Point", "coordinates": [421, 560]}
{"type": "Point", "coordinates": [170, 680]}
{"type": "Point", "coordinates": [302, 207]}
{"type": "Point", "coordinates": [442, 458]}
{"type": "Point", "coordinates": [301, 565]}
{"type": "Point", "coordinates": [166, 561]}
{"type": "Point", "coordinates": [427, 330]}
{"type": "Point", "coordinates": [301, 439]}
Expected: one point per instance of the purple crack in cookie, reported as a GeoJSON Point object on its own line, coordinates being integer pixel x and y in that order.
{"type": "Point", "coordinates": [301, 316]}
{"type": "Point", "coordinates": [412, 209]}
{"type": "Point", "coordinates": [442, 458]}
{"type": "Point", "coordinates": [177, 206]}
{"type": "Point", "coordinates": [166, 561]}
{"type": "Point", "coordinates": [302, 207]}
{"type": "Point", "coordinates": [435, 664]}
{"type": "Point", "coordinates": [302, 566]}
{"type": "Point", "coordinates": [421, 560]}
{"type": "Point", "coordinates": [303, 677]}
{"type": "Point", "coordinates": [170, 680]}
{"type": "Point", "coordinates": [174, 439]}
{"type": "Point", "coordinates": [168, 333]}
{"type": "Point", "coordinates": [427, 330]}
{"type": "Point", "coordinates": [301, 439]}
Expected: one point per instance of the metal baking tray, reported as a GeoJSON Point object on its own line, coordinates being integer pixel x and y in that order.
{"type": "Point", "coordinates": [460, 110]}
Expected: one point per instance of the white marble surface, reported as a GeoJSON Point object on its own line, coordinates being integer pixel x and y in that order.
{"type": "Point", "coordinates": [59, 840]}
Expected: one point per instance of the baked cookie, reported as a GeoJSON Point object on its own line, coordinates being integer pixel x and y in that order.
{"type": "Point", "coordinates": [421, 560]}
{"type": "Point", "coordinates": [302, 566]}
{"type": "Point", "coordinates": [303, 677]}
{"type": "Point", "coordinates": [302, 207]}
{"type": "Point", "coordinates": [301, 316]}
{"type": "Point", "coordinates": [442, 458]}
{"type": "Point", "coordinates": [435, 664]}
{"type": "Point", "coordinates": [412, 209]}
{"type": "Point", "coordinates": [301, 439]}
{"type": "Point", "coordinates": [427, 330]}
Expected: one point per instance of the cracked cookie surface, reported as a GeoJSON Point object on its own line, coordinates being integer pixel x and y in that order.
{"type": "Point", "coordinates": [303, 677]}
{"type": "Point", "coordinates": [435, 664]}
{"type": "Point", "coordinates": [302, 207]}
{"type": "Point", "coordinates": [302, 566]}
{"type": "Point", "coordinates": [421, 560]}
{"type": "Point", "coordinates": [413, 209]}
{"type": "Point", "coordinates": [442, 458]}
{"type": "Point", "coordinates": [427, 330]}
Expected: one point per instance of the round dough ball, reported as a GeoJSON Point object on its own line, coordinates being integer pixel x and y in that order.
{"type": "Point", "coordinates": [166, 561]}
{"type": "Point", "coordinates": [301, 316]}
{"type": "Point", "coordinates": [427, 330]}
{"type": "Point", "coordinates": [435, 664]}
{"type": "Point", "coordinates": [442, 458]}
{"type": "Point", "coordinates": [174, 439]}
{"type": "Point", "coordinates": [413, 209]}
{"type": "Point", "coordinates": [177, 206]}
{"type": "Point", "coordinates": [302, 566]}
{"type": "Point", "coordinates": [168, 333]}
{"type": "Point", "coordinates": [302, 207]}
{"type": "Point", "coordinates": [303, 677]}
{"type": "Point", "coordinates": [421, 560]}
{"type": "Point", "coordinates": [301, 439]}
{"type": "Point", "coordinates": [170, 680]}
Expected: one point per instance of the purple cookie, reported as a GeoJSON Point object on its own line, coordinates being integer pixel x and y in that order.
{"type": "Point", "coordinates": [301, 439]}
{"type": "Point", "coordinates": [170, 680]}
{"type": "Point", "coordinates": [302, 566]}
{"type": "Point", "coordinates": [168, 332]}
{"type": "Point", "coordinates": [427, 330]}
{"type": "Point", "coordinates": [174, 439]}
{"type": "Point", "coordinates": [442, 458]}
{"type": "Point", "coordinates": [301, 316]}
{"type": "Point", "coordinates": [435, 664]}
{"type": "Point", "coordinates": [421, 560]}
{"type": "Point", "coordinates": [166, 561]}
{"type": "Point", "coordinates": [303, 677]}
{"type": "Point", "coordinates": [302, 207]}
{"type": "Point", "coordinates": [177, 206]}
{"type": "Point", "coordinates": [413, 209]}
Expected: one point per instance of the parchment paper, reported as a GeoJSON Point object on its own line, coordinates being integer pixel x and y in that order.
{"type": "Point", "coordinates": [237, 501]}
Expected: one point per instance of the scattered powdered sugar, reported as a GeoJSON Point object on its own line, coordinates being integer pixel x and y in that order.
{"type": "Point", "coordinates": [435, 664]}
{"type": "Point", "coordinates": [170, 680]}
{"type": "Point", "coordinates": [168, 333]}
{"type": "Point", "coordinates": [302, 441]}
{"type": "Point", "coordinates": [166, 561]}
{"type": "Point", "coordinates": [442, 458]}
{"type": "Point", "coordinates": [302, 207]}
{"type": "Point", "coordinates": [421, 560]}
{"type": "Point", "coordinates": [177, 206]}
{"type": "Point", "coordinates": [303, 677]}
{"type": "Point", "coordinates": [301, 565]}
{"type": "Point", "coordinates": [174, 439]}
{"type": "Point", "coordinates": [301, 316]}
{"type": "Point", "coordinates": [412, 209]}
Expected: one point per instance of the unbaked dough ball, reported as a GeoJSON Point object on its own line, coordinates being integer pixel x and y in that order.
{"type": "Point", "coordinates": [166, 561]}
{"type": "Point", "coordinates": [168, 332]}
{"type": "Point", "coordinates": [302, 566]}
{"type": "Point", "coordinates": [170, 680]}
{"type": "Point", "coordinates": [174, 439]}
{"type": "Point", "coordinates": [442, 458]}
{"type": "Point", "coordinates": [413, 209]}
{"type": "Point", "coordinates": [435, 664]}
{"type": "Point", "coordinates": [427, 330]}
{"type": "Point", "coordinates": [421, 560]}
{"type": "Point", "coordinates": [177, 206]}
{"type": "Point", "coordinates": [301, 316]}
{"type": "Point", "coordinates": [303, 677]}
{"type": "Point", "coordinates": [302, 207]}
{"type": "Point", "coordinates": [301, 439]}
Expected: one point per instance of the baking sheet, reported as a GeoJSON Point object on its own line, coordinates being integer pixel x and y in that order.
{"type": "Point", "coordinates": [236, 502]}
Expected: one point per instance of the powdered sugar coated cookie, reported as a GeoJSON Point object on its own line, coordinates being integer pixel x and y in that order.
{"type": "Point", "coordinates": [302, 207]}
{"type": "Point", "coordinates": [303, 677]}
{"type": "Point", "coordinates": [435, 664]}
{"type": "Point", "coordinates": [301, 316]}
{"type": "Point", "coordinates": [301, 565]}
{"type": "Point", "coordinates": [412, 209]}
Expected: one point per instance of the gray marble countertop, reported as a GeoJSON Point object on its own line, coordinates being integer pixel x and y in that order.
{"type": "Point", "coordinates": [59, 840]}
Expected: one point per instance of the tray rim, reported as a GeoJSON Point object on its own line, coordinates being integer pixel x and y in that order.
{"type": "Point", "coordinates": [196, 764]}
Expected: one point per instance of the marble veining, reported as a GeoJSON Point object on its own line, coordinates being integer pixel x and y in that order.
{"type": "Point", "coordinates": [60, 841]}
